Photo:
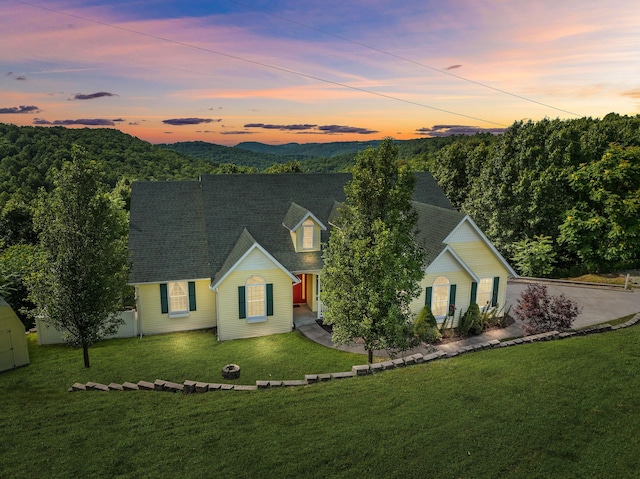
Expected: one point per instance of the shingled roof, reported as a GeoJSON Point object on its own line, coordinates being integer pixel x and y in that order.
{"type": "Point", "coordinates": [191, 229]}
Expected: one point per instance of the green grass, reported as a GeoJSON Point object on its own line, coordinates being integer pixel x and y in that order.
{"type": "Point", "coordinates": [612, 278]}
{"type": "Point", "coordinates": [553, 409]}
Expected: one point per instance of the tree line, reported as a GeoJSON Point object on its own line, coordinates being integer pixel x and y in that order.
{"type": "Point", "coordinates": [557, 197]}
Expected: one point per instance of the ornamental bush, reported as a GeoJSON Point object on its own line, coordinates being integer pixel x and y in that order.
{"type": "Point", "coordinates": [540, 312]}
{"type": "Point", "coordinates": [425, 328]}
{"type": "Point", "coordinates": [471, 322]}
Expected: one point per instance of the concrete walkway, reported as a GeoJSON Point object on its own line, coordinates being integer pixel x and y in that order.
{"type": "Point", "coordinates": [599, 304]}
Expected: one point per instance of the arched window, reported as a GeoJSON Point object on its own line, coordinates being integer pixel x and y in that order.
{"type": "Point", "coordinates": [178, 299]}
{"type": "Point", "coordinates": [256, 297]}
{"type": "Point", "coordinates": [440, 296]}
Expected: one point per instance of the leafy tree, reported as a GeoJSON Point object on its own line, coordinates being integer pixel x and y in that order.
{"type": "Point", "coordinates": [288, 167]}
{"type": "Point", "coordinates": [534, 257]}
{"type": "Point", "coordinates": [79, 282]}
{"type": "Point", "coordinates": [373, 264]}
{"type": "Point", "coordinates": [541, 313]}
{"type": "Point", "coordinates": [603, 229]}
{"type": "Point", "coordinates": [16, 265]}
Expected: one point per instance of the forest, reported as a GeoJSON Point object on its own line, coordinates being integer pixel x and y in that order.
{"type": "Point", "coordinates": [556, 197]}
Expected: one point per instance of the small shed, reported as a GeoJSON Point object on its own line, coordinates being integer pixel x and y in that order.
{"type": "Point", "coordinates": [13, 342]}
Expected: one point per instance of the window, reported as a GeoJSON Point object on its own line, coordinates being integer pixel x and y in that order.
{"type": "Point", "coordinates": [178, 298]}
{"type": "Point", "coordinates": [440, 296]}
{"type": "Point", "coordinates": [256, 303]}
{"type": "Point", "coordinates": [255, 300]}
{"type": "Point", "coordinates": [308, 233]}
{"type": "Point", "coordinates": [485, 292]}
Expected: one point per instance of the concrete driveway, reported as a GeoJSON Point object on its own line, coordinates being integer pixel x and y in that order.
{"type": "Point", "coordinates": [599, 304]}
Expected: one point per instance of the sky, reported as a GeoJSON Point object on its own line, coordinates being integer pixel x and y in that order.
{"type": "Point", "coordinates": [282, 71]}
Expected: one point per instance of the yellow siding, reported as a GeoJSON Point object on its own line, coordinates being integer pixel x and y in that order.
{"type": "Point", "coordinates": [312, 300]}
{"type": "Point", "coordinates": [152, 321]}
{"type": "Point", "coordinates": [484, 263]}
{"type": "Point", "coordinates": [230, 326]}
{"type": "Point", "coordinates": [297, 238]}
{"type": "Point", "coordinates": [459, 277]}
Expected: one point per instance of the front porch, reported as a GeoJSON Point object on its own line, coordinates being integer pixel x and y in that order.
{"type": "Point", "coordinates": [302, 315]}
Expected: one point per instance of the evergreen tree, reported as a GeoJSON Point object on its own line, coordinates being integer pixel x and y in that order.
{"type": "Point", "coordinates": [372, 264]}
{"type": "Point", "coordinates": [79, 282]}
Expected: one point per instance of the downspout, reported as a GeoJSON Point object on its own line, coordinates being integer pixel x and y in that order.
{"type": "Point", "coordinates": [217, 316]}
{"type": "Point", "coordinates": [138, 310]}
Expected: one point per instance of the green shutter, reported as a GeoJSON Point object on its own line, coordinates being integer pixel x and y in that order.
{"type": "Point", "coordinates": [427, 296]}
{"type": "Point", "coordinates": [452, 299]}
{"type": "Point", "coordinates": [192, 296]}
{"type": "Point", "coordinates": [474, 292]}
{"type": "Point", "coordinates": [494, 295]}
{"type": "Point", "coordinates": [164, 301]}
{"type": "Point", "coordinates": [242, 304]}
{"type": "Point", "coordinates": [270, 299]}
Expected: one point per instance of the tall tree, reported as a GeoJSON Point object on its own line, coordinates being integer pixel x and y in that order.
{"type": "Point", "coordinates": [373, 264]}
{"type": "Point", "coordinates": [78, 284]}
{"type": "Point", "coordinates": [602, 228]}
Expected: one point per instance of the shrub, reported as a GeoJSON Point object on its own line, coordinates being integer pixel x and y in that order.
{"type": "Point", "coordinates": [534, 257]}
{"type": "Point", "coordinates": [471, 322]}
{"type": "Point", "coordinates": [425, 328]}
{"type": "Point", "coordinates": [540, 312]}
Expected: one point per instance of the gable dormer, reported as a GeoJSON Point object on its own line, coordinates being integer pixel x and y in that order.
{"type": "Point", "coordinates": [304, 227]}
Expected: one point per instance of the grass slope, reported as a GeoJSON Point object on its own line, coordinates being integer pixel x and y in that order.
{"type": "Point", "coordinates": [556, 409]}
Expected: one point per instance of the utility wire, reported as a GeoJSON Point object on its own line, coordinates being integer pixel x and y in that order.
{"type": "Point", "coordinates": [398, 57]}
{"type": "Point", "coordinates": [255, 62]}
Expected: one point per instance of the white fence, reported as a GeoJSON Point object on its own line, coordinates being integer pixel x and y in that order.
{"type": "Point", "coordinates": [50, 335]}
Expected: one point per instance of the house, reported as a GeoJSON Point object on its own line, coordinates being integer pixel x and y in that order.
{"type": "Point", "coordinates": [13, 342]}
{"type": "Point", "coordinates": [237, 252]}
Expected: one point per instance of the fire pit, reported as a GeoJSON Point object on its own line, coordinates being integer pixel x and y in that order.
{"type": "Point", "coordinates": [231, 371]}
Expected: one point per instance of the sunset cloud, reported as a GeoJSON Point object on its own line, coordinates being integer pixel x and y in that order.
{"type": "Point", "coordinates": [326, 129]}
{"type": "Point", "coordinates": [91, 96]}
{"type": "Point", "coordinates": [190, 121]}
{"type": "Point", "coordinates": [85, 122]}
{"type": "Point", "coordinates": [449, 130]}
{"type": "Point", "coordinates": [20, 109]}
{"type": "Point", "coordinates": [337, 129]}
{"type": "Point", "coordinates": [453, 67]}
{"type": "Point", "coordinates": [280, 127]}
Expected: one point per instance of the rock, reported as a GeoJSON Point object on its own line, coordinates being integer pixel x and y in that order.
{"type": "Point", "coordinates": [202, 387]}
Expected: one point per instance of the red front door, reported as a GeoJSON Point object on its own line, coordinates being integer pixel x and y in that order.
{"type": "Point", "coordinates": [298, 296]}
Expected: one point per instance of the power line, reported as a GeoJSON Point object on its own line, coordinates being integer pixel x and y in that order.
{"type": "Point", "coordinates": [255, 62]}
{"type": "Point", "coordinates": [399, 57]}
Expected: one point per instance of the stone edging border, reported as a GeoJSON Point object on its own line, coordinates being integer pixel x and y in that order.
{"type": "Point", "coordinates": [359, 370]}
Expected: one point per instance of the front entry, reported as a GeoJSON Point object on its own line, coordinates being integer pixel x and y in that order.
{"type": "Point", "coordinates": [299, 290]}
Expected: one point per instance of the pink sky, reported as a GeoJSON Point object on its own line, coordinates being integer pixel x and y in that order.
{"type": "Point", "coordinates": [277, 72]}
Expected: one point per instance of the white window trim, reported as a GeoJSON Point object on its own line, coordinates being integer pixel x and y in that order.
{"type": "Point", "coordinates": [308, 226]}
{"type": "Point", "coordinates": [433, 297]}
{"type": "Point", "coordinates": [259, 318]}
{"type": "Point", "coordinates": [486, 306]}
{"type": "Point", "coordinates": [178, 313]}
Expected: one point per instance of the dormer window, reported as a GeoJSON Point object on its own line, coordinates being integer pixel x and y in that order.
{"type": "Point", "coordinates": [305, 228]}
{"type": "Point", "coordinates": [308, 234]}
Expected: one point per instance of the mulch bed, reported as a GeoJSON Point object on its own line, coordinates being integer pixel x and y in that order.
{"type": "Point", "coordinates": [450, 336]}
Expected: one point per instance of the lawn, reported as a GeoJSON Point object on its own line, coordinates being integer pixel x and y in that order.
{"type": "Point", "coordinates": [554, 409]}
